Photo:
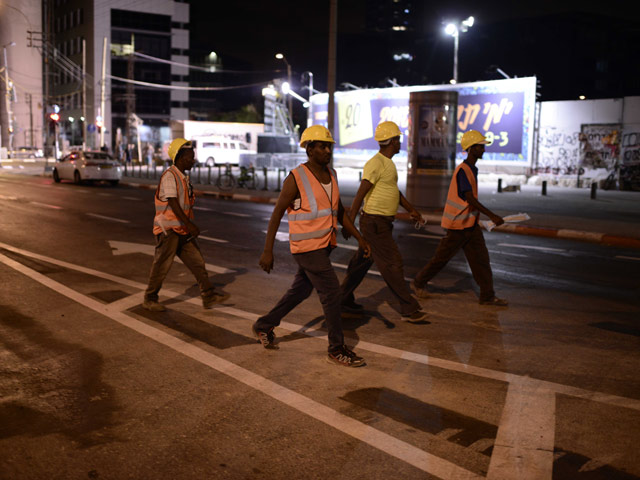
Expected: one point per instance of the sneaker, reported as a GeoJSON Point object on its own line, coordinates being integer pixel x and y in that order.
{"type": "Point", "coordinates": [345, 357]}
{"type": "Point", "coordinates": [421, 292]}
{"type": "Point", "coordinates": [153, 306]}
{"type": "Point", "coordinates": [415, 317]}
{"type": "Point", "coordinates": [267, 339]}
{"type": "Point", "coordinates": [212, 299]}
{"type": "Point", "coordinates": [495, 302]}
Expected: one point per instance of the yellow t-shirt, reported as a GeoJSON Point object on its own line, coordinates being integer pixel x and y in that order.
{"type": "Point", "coordinates": [384, 196]}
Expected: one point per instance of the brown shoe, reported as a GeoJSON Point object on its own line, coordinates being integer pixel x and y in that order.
{"type": "Point", "coordinates": [153, 306]}
{"type": "Point", "coordinates": [495, 302]}
{"type": "Point", "coordinates": [210, 300]}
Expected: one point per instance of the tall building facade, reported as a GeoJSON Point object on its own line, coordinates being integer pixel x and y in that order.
{"type": "Point", "coordinates": [131, 50]}
{"type": "Point", "coordinates": [21, 104]}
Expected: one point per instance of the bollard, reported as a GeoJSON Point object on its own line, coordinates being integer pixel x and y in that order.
{"type": "Point", "coordinates": [499, 185]}
{"type": "Point", "coordinates": [265, 171]}
{"type": "Point", "coordinates": [360, 176]}
{"type": "Point", "coordinates": [278, 184]}
{"type": "Point", "coordinates": [209, 175]}
{"type": "Point", "coordinates": [199, 174]}
{"type": "Point", "coordinates": [125, 169]}
{"type": "Point", "coordinates": [594, 188]}
{"type": "Point", "coordinates": [544, 187]}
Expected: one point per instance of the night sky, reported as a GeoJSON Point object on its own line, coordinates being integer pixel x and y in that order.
{"type": "Point", "coordinates": [574, 48]}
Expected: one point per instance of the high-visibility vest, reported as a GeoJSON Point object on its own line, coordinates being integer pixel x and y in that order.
{"type": "Point", "coordinates": [313, 226]}
{"type": "Point", "coordinates": [165, 218]}
{"type": "Point", "coordinates": [458, 214]}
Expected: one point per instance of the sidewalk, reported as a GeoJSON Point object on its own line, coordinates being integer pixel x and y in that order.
{"type": "Point", "coordinates": [613, 218]}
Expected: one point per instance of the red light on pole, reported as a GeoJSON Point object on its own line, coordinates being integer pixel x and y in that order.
{"type": "Point", "coordinates": [54, 116]}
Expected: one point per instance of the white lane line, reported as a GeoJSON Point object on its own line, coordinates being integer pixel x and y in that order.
{"type": "Point", "coordinates": [382, 441]}
{"type": "Point", "coordinates": [624, 257]}
{"type": "Point", "coordinates": [8, 167]}
{"type": "Point", "coordinates": [211, 239]}
{"type": "Point", "coordinates": [523, 449]}
{"type": "Point", "coordinates": [348, 247]}
{"type": "Point", "coordinates": [203, 209]}
{"type": "Point", "coordinates": [578, 392]}
{"type": "Point", "coordinates": [29, 160]}
{"type": "Point", "coordinates": [55, 207]}
{"type": "Point", "coordinates": [131, 198]}
{"type": "Point", "coordinates": [424, 235]}
{"type": "Point", "coordinates": [531, 247]}
{"type": "Point", "coordinates": [236, 214]}
{"type": "Point", "coordinates": [342, 265]}
{"type": "Point", "coordinates": [108, 218]}
{"type": "Point", "coordinates": [498, 252]}
{"type": "Point", "coordinates": [8, 197]}
{"type": "Point", "coordinates": [102, 194]}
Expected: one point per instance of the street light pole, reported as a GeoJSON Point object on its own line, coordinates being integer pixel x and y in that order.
{"type": "Point", "coordinates": [8, 96]}
{"type": "Point", "coordinates": [280, 56]}
{"type": "Point", "coordinates": [455, 29]}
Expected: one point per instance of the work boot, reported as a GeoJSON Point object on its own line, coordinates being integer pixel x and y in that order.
{"type": "Point", "coordinates": [153, 306]}
{"type": "Point", "coordinates": [209, 300]}
{"type": "Point", "coordinates": [495, 302]}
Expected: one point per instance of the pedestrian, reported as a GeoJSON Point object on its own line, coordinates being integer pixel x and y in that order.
{"type": "Point", "coordinates": [379, 191]}
{"type": "Point", "coordinates": [175, 231]}
{"type": "Point", "coordinates": [310, 196]}
{"type": "Point", "coordinates": [460, 219]}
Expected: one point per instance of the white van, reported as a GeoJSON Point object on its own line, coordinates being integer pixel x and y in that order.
{"type": "Point", "coordinates": [212, 151]}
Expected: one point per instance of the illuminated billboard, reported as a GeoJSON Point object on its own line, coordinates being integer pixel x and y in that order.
{"type": "Point", "coordinates": [503, 110]}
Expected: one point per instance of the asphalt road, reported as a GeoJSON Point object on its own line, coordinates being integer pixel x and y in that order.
{"type": "Point", "coordinates": [94, 386]}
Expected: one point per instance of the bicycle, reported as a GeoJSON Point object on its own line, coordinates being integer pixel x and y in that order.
{"type": "Point", "coordinates": [247, 178]}
{"type": "Point", "coordinates": [226, 180]}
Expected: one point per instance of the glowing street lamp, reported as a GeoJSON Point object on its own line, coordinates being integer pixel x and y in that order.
{"type": "Point", "coordinates": [280, 56]}
{"type": "Point", "coordinates": [454, 30]}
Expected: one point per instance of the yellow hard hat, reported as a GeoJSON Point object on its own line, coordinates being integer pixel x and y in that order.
{"type": "Point", "coordinates": [386, 130]}
{"type": "Point", "coordinates": [315, 133]}
{"type": "Point", "coordinates": [471, 138]}
{"type": "Point", "coordinates": [176, 145]}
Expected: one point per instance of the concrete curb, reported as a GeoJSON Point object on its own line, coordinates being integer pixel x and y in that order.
{"type": "Point", "coordinates": [433, 218]}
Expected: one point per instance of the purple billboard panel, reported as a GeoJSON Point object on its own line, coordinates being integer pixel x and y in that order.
{"type": "Point", "coordinates": [502, 110]}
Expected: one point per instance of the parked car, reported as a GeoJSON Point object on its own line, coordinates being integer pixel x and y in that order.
{"type": "Point", "coordinates": [81, 165]}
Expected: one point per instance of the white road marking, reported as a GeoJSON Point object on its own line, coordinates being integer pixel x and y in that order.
{"type": "Point", "coordinates": [203, 209]}
{"type": "Point", "coordinates": [236, 214]}
{"type": "Point", "coordinates": [284, 219]}
{"type": "Point", "coordinates": [523, 448]}
{"type": "Point", "coordinates": [124, 248]}
{"type": "Point", "coordinates": [108, 218]}
{"type": "Point", "coordinates": [47, 205]}
{"type": "Point", "coordinates": [498, 252]}
{"type": "Point", "coordinates": [342, 265]}
{"type": "Point", "coordinates": [8, 167]}
{"type": "Point", "coordinates": [384, 442]}
{"type": "Point", "coordinates": [102, 194]}
{"type": "Point", "coordinates": [211, 239]}
{"type": "Point", "coordinates": [8, 197]}
{"type": "Point", "coordinates": [424, 235]}
{"type": "Point", "coordinates": [131, 198]}
{"type": "Point", "coordinates": [280, 236]}
{"type": "Point", "coordinates": [348, 247]}
{"type": "Point", "coordinates": [624, 257]}
{"type": "Point", "coordinates": [531, 247]}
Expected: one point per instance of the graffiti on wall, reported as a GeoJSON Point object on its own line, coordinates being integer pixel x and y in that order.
{"type": "Point", "coordinates": [630, 159]}
{"type": "Point", "coordinates": [558, 151]}
{"type": "Point", "coordinates": [600, 146]}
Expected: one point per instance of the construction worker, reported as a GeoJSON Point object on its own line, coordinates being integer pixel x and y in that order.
{"type": "Point", "coordinates": [175, 231]}
{"type": "Point", "coordinates": [310, 196]}
{"type": "Point", "coordinates": [379, 191]}
{"type": "Point", "coordinates": [460, 219]}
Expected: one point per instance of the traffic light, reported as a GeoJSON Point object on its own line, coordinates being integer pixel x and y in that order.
{"type": "Point", "coordinates": [99, 123]}
{"type": "Point", "coordinates": [55, 117]}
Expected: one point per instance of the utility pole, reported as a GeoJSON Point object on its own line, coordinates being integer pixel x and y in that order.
{"type": "Point", "coordinates": [130, 96]}
{"type": "Point", "coordinates": [30, 98]}
{"type": "Point", "coordinates": [84, 94]}
{"type": "Point", "coordinates": [102, 87]}
{"type": "Point", "coordinates": [331, 77]}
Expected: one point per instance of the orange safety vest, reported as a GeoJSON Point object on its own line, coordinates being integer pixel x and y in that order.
{"type": "Point", "coordinates": [165, 218]}
{"type": "Point", "coordinates": [458, 214]}
{"type": "Point", "coordinates": [313, 226]}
